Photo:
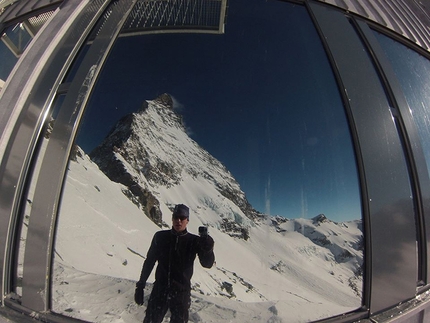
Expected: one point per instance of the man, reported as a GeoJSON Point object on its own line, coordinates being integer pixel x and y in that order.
{"type": "Point", "coordinates": [175, 251]}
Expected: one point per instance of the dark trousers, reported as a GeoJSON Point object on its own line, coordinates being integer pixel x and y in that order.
{"type": "Point", "coordinates": [162, 299]}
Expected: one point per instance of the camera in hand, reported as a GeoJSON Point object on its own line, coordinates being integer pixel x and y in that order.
{"type": "Point", "coordinates": [203, 231]}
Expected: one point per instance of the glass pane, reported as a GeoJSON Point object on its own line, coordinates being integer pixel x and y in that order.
{"type": "Point", "coordinates": [413, 71]}
{"type": "Point", "coordinates": [15, 39]}
{"type": "Point", "coordinates": [248, 130]}
{"type": "Point", "coordinates": [8, 56]}
{"type": "Point", "coordinates": [19, 37]}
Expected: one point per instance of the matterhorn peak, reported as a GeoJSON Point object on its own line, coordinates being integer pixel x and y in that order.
{"type": "Point", "coordinates": [165, 99]}
{"type": "Point", "coordinates": [151, 154]}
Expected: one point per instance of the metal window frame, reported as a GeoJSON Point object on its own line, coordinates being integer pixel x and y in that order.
{"type": "Point", "coordinates": [385, 178]}
{"type": "Point", "coordinates": [32, 109]}
{"type": "Point", "coordinates": [37, 272]}
{"type": "Point", "coordinates": [409, 18]}
{"type": "Point", "coordinates": [419, 173]}
{"type": "Point", "coordinates": [20, 11]}
{"type": "Point", "coordinates": [21, 121]}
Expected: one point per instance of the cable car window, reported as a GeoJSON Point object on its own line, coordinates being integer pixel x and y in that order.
{"type": "Point", "coordinates": [15, 39]}
{"type": "Point", "coordinates": [413, 71]}
{"type": "Point", "coordinates": [247, 128]}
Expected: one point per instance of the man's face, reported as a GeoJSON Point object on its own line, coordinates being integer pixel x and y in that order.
{"type": "Point", "coordinates": [179, 222]}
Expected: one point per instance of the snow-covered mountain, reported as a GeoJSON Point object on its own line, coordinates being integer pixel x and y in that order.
{"type": "Point", "coordinates": [151, 154]}
{"type": "Point", "coordinates": [267, 268]}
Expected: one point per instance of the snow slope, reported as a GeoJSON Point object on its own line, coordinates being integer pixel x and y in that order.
{"type": "Point", "coordinates": [268, 269]}
{"type": "Point", "coordinates": [278, 274]}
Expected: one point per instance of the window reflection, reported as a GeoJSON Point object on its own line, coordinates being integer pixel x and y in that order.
{"type": "Point", "coordinates": [413, 71]}
{"type": "Point", "coordinates": [15, 39]}
{"type": "Point", "coordinates": [8, 51]}
{"type": "Point", "coordinates": [246, 128]}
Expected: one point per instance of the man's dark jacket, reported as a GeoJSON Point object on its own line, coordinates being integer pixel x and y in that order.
{"type": "Point", "coordinates": [175, 253]}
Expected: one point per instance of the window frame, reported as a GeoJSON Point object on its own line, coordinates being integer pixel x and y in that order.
{"type": "Point", "coordinates": [23, 139]}
{"type": "Point", "coordinates": [38, 72]}
{"type": "Point", "coordinates": [418, 167]}
{"type": "Point", "coordinates": [339, 31]}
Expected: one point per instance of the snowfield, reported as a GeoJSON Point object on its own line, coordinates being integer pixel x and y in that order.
{"type": "Point", "coordinates": [268, 268]}
{"type": "Point", "coordinates": [278, 275]}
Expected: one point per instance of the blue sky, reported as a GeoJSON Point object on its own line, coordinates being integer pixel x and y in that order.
{"type": "Point", "coordinates": [261, 98]}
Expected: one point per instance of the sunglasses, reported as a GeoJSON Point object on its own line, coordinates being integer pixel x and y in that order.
{"type": "Point", "coordinates": [180, 217]}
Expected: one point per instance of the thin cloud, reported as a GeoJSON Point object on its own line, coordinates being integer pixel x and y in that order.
{"type": "Point", "coordinates": [179, 107]}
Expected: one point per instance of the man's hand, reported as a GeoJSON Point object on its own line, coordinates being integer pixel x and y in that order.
{"type": "Point", "coordinates": [206, 243]}
{"type": "Point", "coordinates": [138, 293]}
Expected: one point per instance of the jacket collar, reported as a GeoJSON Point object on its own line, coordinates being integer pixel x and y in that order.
{"type": "Point", "coordinates": [182, 233]}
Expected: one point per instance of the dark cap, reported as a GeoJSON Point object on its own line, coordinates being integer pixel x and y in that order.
{"type": "Point", "coordinates": [181, 210]}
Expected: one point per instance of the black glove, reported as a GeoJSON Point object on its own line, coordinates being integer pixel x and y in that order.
{"type": "Point", "coordinates": [206, 243]}
{"type": "Point", "coordinates": [138, 293]}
